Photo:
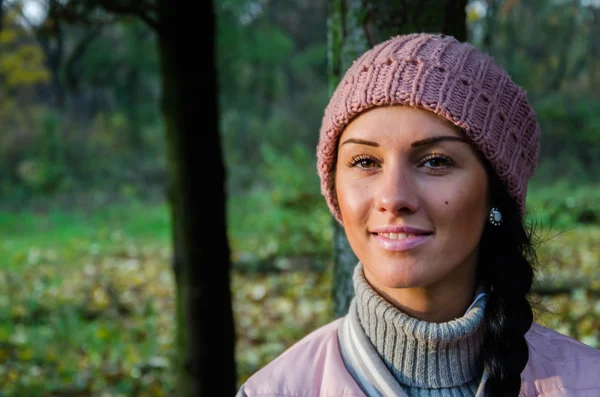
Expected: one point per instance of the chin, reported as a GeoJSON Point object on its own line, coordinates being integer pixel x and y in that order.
{"type": "Point", "coordinates": [403, 275]}
{"type": "Point", "coordinates": [408, 282]}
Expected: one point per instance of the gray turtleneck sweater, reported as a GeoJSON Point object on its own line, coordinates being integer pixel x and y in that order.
{"type": "Point", "coordinates": [421, 358]}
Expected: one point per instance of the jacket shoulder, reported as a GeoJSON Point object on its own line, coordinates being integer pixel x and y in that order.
{"type": "Point", "coordinates": [559, 365]}
{"type": "Point", "coordinates": [313, 366]}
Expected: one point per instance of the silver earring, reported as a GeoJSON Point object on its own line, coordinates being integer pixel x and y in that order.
{"type": "Point", "coordinates": [495, 217]}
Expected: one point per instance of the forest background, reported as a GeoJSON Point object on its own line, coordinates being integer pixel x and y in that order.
{"type": "Point", "coordinates": [86, 290]}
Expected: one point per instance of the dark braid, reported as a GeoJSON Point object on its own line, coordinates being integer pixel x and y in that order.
{"type": "Point", "coordinates": [507, 264]}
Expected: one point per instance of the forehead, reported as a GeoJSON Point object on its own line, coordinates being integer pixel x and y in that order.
{"type": "Point", "coordinates": [398, 124]}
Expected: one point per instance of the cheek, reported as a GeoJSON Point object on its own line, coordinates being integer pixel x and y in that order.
{"type": "Point", "coordinates": [353, 199]}
{"type": "Point", "coordinates": [464, 208]}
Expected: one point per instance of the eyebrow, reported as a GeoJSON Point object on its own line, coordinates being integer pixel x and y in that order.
{"type": "Point", "coordinates": [427, 141]}
{"type": "Point", "coordinates": [360, 142]}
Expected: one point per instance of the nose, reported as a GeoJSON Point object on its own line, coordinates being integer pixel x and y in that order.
{"type": "Point", "coordinates": [397, 191]}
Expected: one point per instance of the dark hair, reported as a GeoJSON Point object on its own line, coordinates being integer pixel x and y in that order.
{"type": "Point", "coordinates": [507, 264]}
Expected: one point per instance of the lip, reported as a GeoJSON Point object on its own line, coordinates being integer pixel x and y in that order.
{"type": "Point", "coordinates": [400, 229]}
{"type": "Point", "coordinates": [401, 245]}
{"type": "Point", "coordinates": [420, 237]}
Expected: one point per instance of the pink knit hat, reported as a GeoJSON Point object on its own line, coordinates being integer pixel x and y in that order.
{"type": "Point", "coordinates": [451, 79]}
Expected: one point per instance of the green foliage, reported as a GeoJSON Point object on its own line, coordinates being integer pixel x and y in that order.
{"type": "Point", "coordinates": [123, 61]}
{"type": "Point", "coordinates": [271, 46]}
{"type": "Point", "coordinates": [42, 167]}
{"type": "Point", "coordinates": [272, 86]}
{"type": "Point", "coordinates": [285, 217]}
{"type": "Point", "coordinates": [563, 206]}
{"type": "Point", "coordinates": [60, 157]}
{"type": "Point", "coordinates": [305, 61]}
{"type": "Point", "coordinates": [570, 138]}
{"type": "Point", "coordinates": [22, 63]}
{"type": "Point", "coordinates": [109, 118]}
{"type": "Point", "coordinates": [272, 70]}
{"type": "Point", "coordinates": [244, 151]}
{"type": "Point", "coordinates": [548, 48]}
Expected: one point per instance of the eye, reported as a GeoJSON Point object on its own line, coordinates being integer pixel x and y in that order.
{"type": "Point", "coordinates": [363, 162]}
{"type": "Point", "coordinates": [437, 162]}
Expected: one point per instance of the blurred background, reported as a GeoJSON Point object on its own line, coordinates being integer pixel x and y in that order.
{"type": "Point", "coordinates": [86, 290]}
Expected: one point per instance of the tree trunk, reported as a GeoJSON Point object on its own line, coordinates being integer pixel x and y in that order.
{"type": "Point", "coordinates": [491, 14]}
{"type": "Point", "coordinates": [564, 53]}
{"type": "Point", "coordinates": [1, 15]}
{"type": "Point", "coordinates": [354, 26]}
{"type": "Point", "coordinates": [196, 189]}
{"type": "Point", "coordinates": [51, 38]}
{"type": "Point", "coordinates": [593, 55]}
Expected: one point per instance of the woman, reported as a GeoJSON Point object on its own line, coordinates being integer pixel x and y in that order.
{"type": "Point", "coordinates": [425, 152]}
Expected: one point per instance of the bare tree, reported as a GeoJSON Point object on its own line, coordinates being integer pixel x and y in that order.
{"type": "Point", "coordinates": [196, 184]}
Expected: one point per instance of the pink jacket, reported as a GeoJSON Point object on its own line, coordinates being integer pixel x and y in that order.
{"type": "Point", "coordinates": [558, 367]}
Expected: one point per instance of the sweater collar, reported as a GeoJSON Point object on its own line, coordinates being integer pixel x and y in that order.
{"type": "Point", "coordinates": [419, 353]}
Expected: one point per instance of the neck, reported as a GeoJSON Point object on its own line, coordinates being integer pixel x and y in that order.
{"type": "Point", "coordinates": [435, 303]}
{"type": "Point", "coordinates": [425, 357]}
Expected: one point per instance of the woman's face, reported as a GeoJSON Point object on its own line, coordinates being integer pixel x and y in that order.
{"type": "Point", "coordinates": [413, 196]}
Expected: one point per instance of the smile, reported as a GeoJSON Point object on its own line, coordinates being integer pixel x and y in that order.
{"type": "Point", "coordinates": [400, 241]}
{"type": "Point", "coordinates": [396, 236]}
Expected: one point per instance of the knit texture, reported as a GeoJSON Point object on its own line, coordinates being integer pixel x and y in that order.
{"type": "Point", "coordinates": [454, 80]}
{"type": "Point", "coordinates": [427, 359]}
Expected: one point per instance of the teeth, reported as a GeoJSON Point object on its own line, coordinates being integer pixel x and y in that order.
{"type": "Point", "coordinates": [396, 236]}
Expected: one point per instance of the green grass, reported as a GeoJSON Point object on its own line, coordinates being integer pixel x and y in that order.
{"type": "Point", "coordinates": [58, 237]}
{"type": "Point", "coordinates": [261, 228]}
{"type": "Point", "coordinates": [87, 300]}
